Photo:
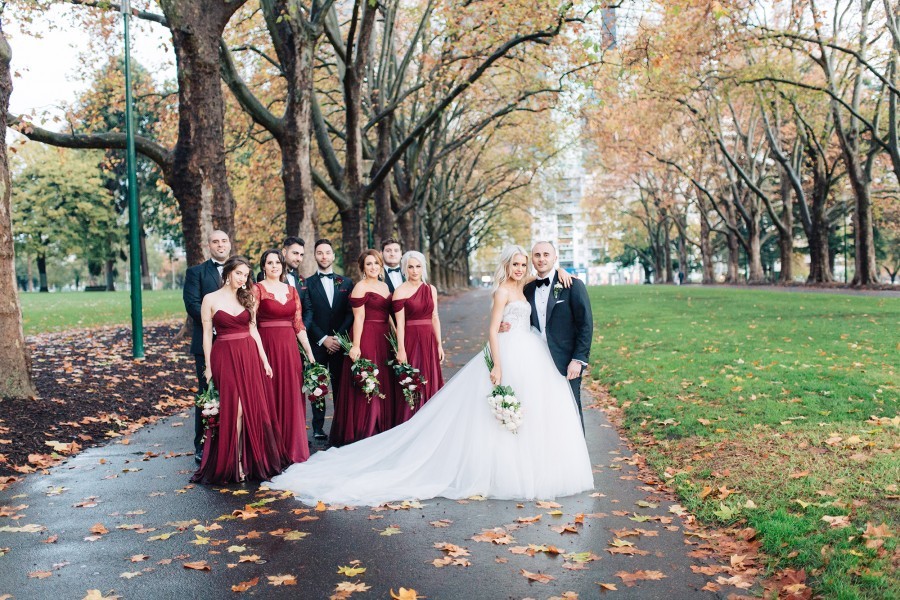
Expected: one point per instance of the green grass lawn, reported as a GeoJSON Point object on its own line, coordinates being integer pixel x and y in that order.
{"type": "Point", "coordinates": [75, 310]}
{"type": "Point", "coordinates": [774, 408]}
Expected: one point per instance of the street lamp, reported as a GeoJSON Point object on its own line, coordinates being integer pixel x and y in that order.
{"type": "Point", "coordinates": [134, 241]}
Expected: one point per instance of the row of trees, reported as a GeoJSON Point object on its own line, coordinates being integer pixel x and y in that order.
{"type": "Point", "coordinates": [742, 128]}
{"type": "Point", "coordinates": [369, 120]}
{"type": "Point", "coordinates": [421, 120]}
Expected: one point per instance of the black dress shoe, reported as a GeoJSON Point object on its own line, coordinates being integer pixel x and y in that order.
{"type": "Point", "coordinates": [320, 435]}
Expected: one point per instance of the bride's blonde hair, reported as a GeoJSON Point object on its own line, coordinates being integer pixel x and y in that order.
{"type": "Point", "coordinates": [506, 258]}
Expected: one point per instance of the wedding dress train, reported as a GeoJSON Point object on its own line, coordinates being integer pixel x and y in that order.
{"type": "Point", "coordinates": [454, 447]}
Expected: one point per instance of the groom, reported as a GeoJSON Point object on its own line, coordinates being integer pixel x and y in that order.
{"type": "Point", "coordinates": [563, 317]}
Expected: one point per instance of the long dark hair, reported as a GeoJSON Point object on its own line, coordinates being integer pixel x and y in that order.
{"type": "Point", "coordinates": [262, 263]}
{"type": "Point", "coordinates": [245, 292]}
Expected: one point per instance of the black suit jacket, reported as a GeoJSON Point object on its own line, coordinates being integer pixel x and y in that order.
{"type": "Point", "coordinates": [324, 319]}
{"type": "Point", "coordinates": [199, 281]}
{"type": "Point", "coordinates": [570, 324]}
{"type": "Point", "coordinates": [299, 284]}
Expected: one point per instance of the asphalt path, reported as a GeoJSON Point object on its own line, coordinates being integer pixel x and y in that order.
{"type": "Point", "coordinates": [123, 519]}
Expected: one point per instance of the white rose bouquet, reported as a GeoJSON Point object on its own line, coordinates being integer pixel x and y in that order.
{"type": "Point", "coordinates": [502, 400]}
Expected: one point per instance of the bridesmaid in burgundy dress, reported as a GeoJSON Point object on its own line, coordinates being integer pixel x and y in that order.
{"type": "Point", "coordinates": [418, 332]}
{"type": "Point", "coordinates": [280, 323]}
{"type": "Point", "coordinates": [355, 416]}
{"type": "Point", "coordinates": [246, 442]}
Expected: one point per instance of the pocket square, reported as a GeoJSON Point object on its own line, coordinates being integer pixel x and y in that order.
{"type": "Point", "coordinates": [560, 301]}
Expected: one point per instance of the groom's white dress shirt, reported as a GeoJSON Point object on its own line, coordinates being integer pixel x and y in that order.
{"type": "Point", "coordinates": [541, 296]}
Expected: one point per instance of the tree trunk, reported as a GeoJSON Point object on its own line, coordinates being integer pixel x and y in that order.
{"type": "Point", "coordinates": [296, 51]}
{"type": "Point", "coordinates": [15, 359]}
{"type": "Point", "coordinates": [408, 225]}
{"type": "Point", "coordinates": [29, 286]}
{"type": "Point", "coordinates": [785, 238]}
{"type": "Point", "coordinates": [706, 252]}
{"type": "Point", "coordinates": [352, 234]}
{"type": "Point", "coordinates": [42, 273]}
{"type": "Point", "coordinates": [384, 212]}
{"type": "Point", "coordinates": [817, 231]}
{"type": "Point", "coordinates": [198, 178]}
{"type": "Point", "coordinates": [146, 280]}
{"type": "Point", "coordinates": [754, 255]}
{"type": "Point", "coordinates": [734, 250]}
{"type": "Point", "coordinates": [667, 252]}
{"type": "Point", "coordinates": [110, 269]}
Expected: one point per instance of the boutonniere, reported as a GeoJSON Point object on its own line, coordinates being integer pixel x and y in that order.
{"type": "Point", "coordinates": [338, 280]}
{"type": "Point", "coordinates": [557, 289]}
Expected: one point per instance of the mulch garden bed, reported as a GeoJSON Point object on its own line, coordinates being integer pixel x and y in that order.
{"type": "Point", "coordinates": [90, 390]}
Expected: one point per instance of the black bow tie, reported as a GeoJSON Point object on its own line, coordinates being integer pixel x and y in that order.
{"type": "Point", "coordinates": [393, 270]}
{"type": "Point", "coordinates": [543, 282]}
{"type": "Point", "coordinates": [218, 264]}
{"type": "Point", "coordinates": [328, 275]}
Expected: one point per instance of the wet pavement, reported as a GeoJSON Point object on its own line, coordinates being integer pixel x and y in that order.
{"type": "Point", "coordinates": [122, 519]}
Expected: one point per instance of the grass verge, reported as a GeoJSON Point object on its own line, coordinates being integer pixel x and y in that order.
{"type": "Point", "coordinates": [775, 409]}
{"type": "Point", "coordinates": [63, 311]}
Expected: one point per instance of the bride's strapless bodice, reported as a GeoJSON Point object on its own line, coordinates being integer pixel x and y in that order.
{"type": "Point", "coordinates": [518, 314]}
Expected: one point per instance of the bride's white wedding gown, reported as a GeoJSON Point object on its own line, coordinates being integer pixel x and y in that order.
{"type": "Point", "coordinates": [455, 448]}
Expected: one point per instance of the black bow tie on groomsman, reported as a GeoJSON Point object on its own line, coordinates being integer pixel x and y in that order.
{"type": "Point", "coordinates": [393, 269]}
{"type": "Point", "coordinates": [543, 282]}
{"type": "Point", "coordinates": [328, 275]}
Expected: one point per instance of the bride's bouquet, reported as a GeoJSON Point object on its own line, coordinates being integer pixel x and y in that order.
{"type": "Point", "coordinates": [502, 400]}
{"type": "Point", "coordinates": [410, 378]}
{"type": "Point", "coordinates": [208, 402]}
{"type": "Point", "coordinates": [364, 371]}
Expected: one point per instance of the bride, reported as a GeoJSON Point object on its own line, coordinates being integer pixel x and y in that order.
{"type": "Point", "coordinates": [454, 447]}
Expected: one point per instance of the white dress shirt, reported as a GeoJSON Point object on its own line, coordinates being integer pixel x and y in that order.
{"type": "Point", "coordinates": [328, 286]}
{"type": "Point", "coordinates": [395, 277]}
{"type": "Point", "coordinates": [541, 296]}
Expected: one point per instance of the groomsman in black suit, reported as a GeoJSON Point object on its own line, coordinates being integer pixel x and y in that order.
{"type": "Point", "coordinates": [199, 281]}
{"type": "Point", "coordinates": [293, 251]}
{"type": "Point", "coordinates": [563, 317]}
{"type": "Point", "coordinates": [391, 252]}
{"type": "Point", "coordinates": [329, 299]}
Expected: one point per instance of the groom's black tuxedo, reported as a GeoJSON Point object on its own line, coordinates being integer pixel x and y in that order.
{"type": "Point", "coordinates": [569, 326]}
{"type": "Point", "coordinates": [327, 319]}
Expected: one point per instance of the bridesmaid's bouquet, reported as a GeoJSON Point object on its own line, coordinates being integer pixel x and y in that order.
{"type": "Point", "coordinates": [364, 371]}
{"type": "Point", "coordinates": [315, 384]}
{"type": "Point", "coordinates": [208, 402]}
{"type": "Point", "coordinates": [502, 400]}
{"type": "Point", "coordinates": [410, 378]}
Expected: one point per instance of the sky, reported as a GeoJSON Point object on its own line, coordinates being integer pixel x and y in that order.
{"type": "Point", "coordinates": [46, 71]}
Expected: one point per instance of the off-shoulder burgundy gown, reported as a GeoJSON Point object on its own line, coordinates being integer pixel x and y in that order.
{"type": "Point", "coordinates": [241, 381]}
{"type": "Point", "coordinates": [421, 349]}
{"type": "Point", "coordinates": [355, 417]}
{"type": "Point", "coordinates": [278, 324]}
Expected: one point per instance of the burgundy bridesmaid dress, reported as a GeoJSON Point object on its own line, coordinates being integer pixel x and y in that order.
{"type": "Point", "coordinates": [355, 417]}
{"type": "Point", "coordinates": [278, 326]}
{"type": "Point", "coordinates": [421, 349]}
{"type": "Point", "coordinates": [241, 381]}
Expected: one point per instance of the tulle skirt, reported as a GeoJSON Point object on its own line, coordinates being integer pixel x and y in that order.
{"type": "Point", "coordinates": [454, 447]}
